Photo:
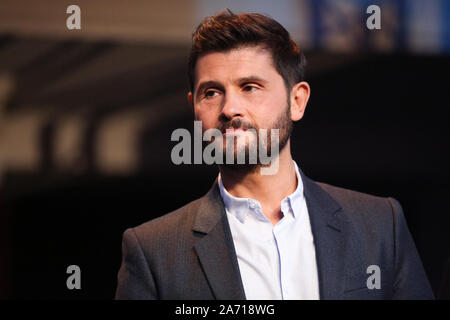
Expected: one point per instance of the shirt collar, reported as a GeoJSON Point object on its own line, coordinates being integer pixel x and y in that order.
{"type": "Point", "coordinates": [240, 207]}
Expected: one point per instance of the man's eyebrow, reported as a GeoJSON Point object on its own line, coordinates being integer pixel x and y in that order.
{"type": "Point", "coordinates": [205, 84]}
{"type": "Point", "coordinates": [251, 79]}
{"type": "Point", "coordinates": [213, 83]}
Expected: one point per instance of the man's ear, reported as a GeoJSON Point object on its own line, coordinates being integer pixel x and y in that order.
{"type": "Point", "coordinates": [299, 98]}
{"type": "Point", "coordinates": [189, 97]}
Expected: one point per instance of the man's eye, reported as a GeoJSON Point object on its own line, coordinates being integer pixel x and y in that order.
{"type": "Point", "coordinates": [210, 93]}
{"type": "Point", "coordinates": [250, 88]}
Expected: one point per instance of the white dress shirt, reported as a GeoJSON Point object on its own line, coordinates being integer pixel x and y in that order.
{"type": "Point", "coordinates": [275, 262]}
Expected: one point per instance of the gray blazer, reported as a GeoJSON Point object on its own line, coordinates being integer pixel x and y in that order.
{"type": "Point", "coordinates": [189, 253]}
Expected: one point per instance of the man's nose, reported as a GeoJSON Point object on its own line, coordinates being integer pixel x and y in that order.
{"type": "Point", "coordinates": [232, 106]}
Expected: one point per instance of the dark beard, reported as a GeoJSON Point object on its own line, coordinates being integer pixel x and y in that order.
{"type": "Point", "coordinates": [283, 123]}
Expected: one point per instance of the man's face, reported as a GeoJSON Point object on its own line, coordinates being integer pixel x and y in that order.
{"type": "Point", "coordinates": [238, 90]}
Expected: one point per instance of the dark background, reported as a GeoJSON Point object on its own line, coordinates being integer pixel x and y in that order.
{"type": "Point", "coordinates": [377, 122]}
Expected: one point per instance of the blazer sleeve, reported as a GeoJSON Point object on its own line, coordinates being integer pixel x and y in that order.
{"type": "Point", "coordinates": [410, 280]}
{"type": "Point", "coordinates": [134, 280]}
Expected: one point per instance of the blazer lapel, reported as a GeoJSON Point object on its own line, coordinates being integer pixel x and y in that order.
{"type": "Point", "coordinates": [215, 248]}
{"type": "Point", "coordinates": [329, 239]}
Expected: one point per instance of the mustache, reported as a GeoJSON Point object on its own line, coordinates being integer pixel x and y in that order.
{"type": "Point", "coordinates": [236, 123]}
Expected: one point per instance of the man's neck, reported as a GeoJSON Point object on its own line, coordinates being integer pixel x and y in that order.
{"type": "Point", "coordinates": [269, 190]}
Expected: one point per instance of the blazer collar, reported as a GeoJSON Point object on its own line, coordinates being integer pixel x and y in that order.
{"type": "Point", "coordinates": [330, 238]}
{"type": "Point", "coordinates": [215, 248]}
{"type": "Point", "coordinates": [217, 254]}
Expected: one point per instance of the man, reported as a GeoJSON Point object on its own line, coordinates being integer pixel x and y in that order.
{"type": "Point", "coordinates": [274, 236]}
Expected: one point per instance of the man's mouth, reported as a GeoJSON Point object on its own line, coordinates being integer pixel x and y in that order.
{"type": "Point", "coordinates": [233, 131]}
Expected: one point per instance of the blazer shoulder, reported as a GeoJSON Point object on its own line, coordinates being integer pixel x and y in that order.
{"type": "Point", "coordinates": [348, 195]}
{"type": "Point", "coordinates": [367, 206]}
{"type": "Point", "coordinates": [171, 225]}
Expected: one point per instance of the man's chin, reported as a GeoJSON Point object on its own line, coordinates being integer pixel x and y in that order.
{"type": "Point", "coordinates": [241, 168]}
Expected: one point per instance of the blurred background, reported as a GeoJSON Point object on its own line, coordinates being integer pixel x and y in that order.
{"type": "Point", "coordinates": [86, 118]}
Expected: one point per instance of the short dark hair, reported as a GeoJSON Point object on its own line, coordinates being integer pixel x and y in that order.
{"type": "Point", "coordinates": [225, 31]}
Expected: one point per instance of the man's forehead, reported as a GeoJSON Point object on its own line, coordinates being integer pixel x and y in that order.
{"type": "Point", "coordinates": [240, 54]}
{"type": "Point", "coordinates": [239, 63]}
